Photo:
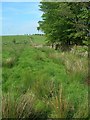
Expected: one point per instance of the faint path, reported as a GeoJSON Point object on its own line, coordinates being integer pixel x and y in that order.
{"type": "Point", "coordinates": [38, 45]}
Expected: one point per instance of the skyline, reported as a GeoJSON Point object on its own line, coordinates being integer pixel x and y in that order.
{"type": "Point", "coordinates": [20, 18]}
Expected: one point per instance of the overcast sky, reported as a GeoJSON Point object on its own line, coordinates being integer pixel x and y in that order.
{"type": "Point", "coordinates": [20, 17]}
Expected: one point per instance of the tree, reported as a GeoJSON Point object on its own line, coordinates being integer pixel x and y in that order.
{"type": "Point", "coordinates": [64, 23]}
{"type": "Point", "coordinates": [80, 22]}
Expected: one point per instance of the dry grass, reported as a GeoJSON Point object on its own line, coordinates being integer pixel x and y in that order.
{"type": "Point", "coordinates": [9, 62]}
{"type": "Point", "coordinates": [59, 106]}
{"type": "Point", "coordinates": [72, 62]}
{"type": "Point", "coordinates": [21, 107]}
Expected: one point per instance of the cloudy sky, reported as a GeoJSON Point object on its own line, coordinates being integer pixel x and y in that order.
{"type": "Point", "coordinates": [20, 17]}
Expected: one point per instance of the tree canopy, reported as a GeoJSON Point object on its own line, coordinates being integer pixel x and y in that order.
{"type": "Point", "coordinates": [65, 23]}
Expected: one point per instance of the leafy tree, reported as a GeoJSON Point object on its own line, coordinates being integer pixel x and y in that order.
{"type": "Point", "coordinates": [64, 23]}
{"type": "Point", "coordinates": [80, 22]}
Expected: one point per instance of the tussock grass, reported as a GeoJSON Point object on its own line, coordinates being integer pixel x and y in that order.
{"type": "Point", "coordinates": [9, 62]}
{"type": "Point", "coordinates": [44, 83]}
{"type": "Point", "coordinates": [25, 106]}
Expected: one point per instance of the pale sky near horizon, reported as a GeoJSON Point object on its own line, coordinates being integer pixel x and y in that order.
{"type": "Point", "coordinates": [20, 18]}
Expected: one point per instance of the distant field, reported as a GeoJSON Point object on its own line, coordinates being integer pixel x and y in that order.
{"type": "Point", "coordinates": [24, 38]}
{"type": "Point", "coordinates": [42, 82]}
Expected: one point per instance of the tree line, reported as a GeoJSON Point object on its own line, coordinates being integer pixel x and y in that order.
{"type": "Point", "coordinates": [65, 23]}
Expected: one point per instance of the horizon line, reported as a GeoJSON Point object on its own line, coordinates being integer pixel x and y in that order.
{"type": "Point", "coordinates": [22, 34]}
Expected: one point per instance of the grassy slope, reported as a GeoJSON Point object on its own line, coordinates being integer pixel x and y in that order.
{"type": "Point", "coordinates": [56, 79]}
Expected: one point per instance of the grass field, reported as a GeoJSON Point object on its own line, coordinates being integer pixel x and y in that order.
{"type": "Point", "coordinates": [40, 82]}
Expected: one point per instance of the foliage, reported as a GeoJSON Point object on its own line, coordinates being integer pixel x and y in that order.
{"type": "Point", "coordinates": [65, 23]}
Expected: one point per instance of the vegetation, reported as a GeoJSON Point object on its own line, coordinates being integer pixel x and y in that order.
{"type": "Point", "coordinates": [40, 82]}
{"type": "Point", "coordinates": [65, 24]}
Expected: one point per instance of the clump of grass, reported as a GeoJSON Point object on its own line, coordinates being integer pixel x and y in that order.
{"type": "Point", "coordinates": [8, 106]}
{"type": "Point", "coordinates": [25, 106]}
{"type": "Point", "coordinates": [40, 56]}
{"type": "Point", "coordinates": [80, 51]}
{"type": "Point", "coordinates": [58, 105]}
{"type": "Point", "coordinates": [82, 111]}
{"type": "Point", "coordinates": [73, 63]}
{"type": "Point", "coordinates": [55, 57]}
{"type": "Point", "coordinates": [9, 62]}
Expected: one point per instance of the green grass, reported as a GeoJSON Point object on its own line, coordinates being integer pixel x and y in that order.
{"type": "Point", "coordinates": [38, 39]}
{"type": "Point", "coordinates": [42, 82]}
{"type": "Point", "coordinates": [18, 38]}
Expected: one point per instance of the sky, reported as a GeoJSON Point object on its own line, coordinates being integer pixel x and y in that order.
{"type": "Point", "coordinates": [20, 18]}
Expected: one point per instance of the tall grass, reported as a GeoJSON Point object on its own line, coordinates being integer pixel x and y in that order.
{"type": "Point", "coordinates": [25, 106]}
{"type": "Point", "coordinates": [44, 83]}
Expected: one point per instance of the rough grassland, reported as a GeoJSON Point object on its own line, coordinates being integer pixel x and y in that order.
{"type": "Point", "coordinates": [42, 82]}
